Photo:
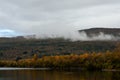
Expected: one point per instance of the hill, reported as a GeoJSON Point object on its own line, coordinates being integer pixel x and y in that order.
{"type": "Point", "coordinates": [21, 48]}
{"type": "Point", "coordinates": [114, 32]}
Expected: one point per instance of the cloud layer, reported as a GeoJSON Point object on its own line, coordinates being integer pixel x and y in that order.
{"type": "Point", "coordinates": [58, 17]}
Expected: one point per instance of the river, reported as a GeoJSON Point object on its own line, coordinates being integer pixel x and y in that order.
{"type": "Point", "coordinates": [46, 74]}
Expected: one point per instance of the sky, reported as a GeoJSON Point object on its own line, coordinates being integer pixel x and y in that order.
{"type": "Point", "coordinates": [56, 17]}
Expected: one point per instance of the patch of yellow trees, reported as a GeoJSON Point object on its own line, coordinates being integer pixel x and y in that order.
{"type": "Point", "coordinates": [89, 61]}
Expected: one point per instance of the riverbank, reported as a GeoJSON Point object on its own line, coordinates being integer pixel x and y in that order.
{"type": "Point", "coordinates": [111, 70]}
{"type": "Point", "coordinates": [86, 61]}
{"type": "Point", "coordinates": [16, 68]}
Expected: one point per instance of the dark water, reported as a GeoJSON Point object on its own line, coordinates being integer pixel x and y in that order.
{"type": "Point", "coordinates": [57, 75]}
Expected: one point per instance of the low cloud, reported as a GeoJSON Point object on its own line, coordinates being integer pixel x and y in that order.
{"type": "Point", "coordinates": [82, 36]}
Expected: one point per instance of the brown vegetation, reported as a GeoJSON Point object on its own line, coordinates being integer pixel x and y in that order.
{"type": "Point", "coordinates": [89, 61]}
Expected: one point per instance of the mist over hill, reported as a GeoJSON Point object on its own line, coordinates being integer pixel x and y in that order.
{"type": "Point", "coordinates": [92, 34]}
{"type": "Point", "coordinates": [100, 34]}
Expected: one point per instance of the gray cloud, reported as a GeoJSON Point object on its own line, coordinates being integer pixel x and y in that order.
{"type": "Point", "coordinates": [58, 17]}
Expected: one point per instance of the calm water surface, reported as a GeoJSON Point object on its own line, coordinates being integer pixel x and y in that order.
{"type": "Point", "coordinates": [32, 74]}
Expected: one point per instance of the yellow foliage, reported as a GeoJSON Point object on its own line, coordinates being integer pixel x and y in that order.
{"type": "Point", "coordinates": [35, 57]}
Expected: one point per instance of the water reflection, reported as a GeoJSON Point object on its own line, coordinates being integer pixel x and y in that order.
{"type": "Point", "coordinates": [57, 75]}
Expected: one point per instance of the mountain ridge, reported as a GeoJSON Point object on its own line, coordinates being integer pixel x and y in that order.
{"type": "Point", "coordinates": [96, 31]}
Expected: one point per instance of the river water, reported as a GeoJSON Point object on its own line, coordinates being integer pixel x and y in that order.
{"type": "Point", "coordinates": [44, 74]}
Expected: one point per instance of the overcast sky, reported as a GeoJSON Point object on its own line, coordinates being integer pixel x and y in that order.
{"type": "Point", "coordinates": [56, 17]}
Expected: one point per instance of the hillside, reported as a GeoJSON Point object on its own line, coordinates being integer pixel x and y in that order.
{"type": "Point", "coordinates": [107, 31]}
{"type": "Point", "coordinates": [21, 48]}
